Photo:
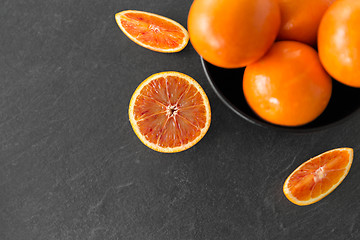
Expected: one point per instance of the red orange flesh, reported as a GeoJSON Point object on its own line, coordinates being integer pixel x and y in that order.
{"type": "Point", "coordinates": [318, 177]}
{"type": "Point", "coordinates": [152, 31]}
{"type": "Point", "coordinates": [169, 112]}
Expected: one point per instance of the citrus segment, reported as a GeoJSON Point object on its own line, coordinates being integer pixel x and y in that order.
{"type": "Point", "coordinates": [318, 177]}
{"type": "Point", "coordinates": [152, 31]}
{"type": "Point", "coordinates": [169, 112]}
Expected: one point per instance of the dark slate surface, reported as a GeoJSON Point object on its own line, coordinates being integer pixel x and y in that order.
{"type": "Point", "coordinates": [72, 168]}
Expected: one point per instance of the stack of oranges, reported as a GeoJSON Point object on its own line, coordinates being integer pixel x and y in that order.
{"type": "Point", "coordinates": [286, 81]}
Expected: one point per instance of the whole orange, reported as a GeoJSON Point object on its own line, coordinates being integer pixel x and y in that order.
{"type": "Point", "coordinates": [300, 19]}
{"type": "Point", "coordinates": [288, 86]}
{"type": "Point", "coordinates": [233, 33]}
{"type": "Point", "coordinates": [339, 41]}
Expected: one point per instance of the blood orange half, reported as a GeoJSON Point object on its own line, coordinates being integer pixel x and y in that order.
{"type": "Point", "coordinates": [318, 177]}
{"type": "Point", "coordinates": [169, 112]}
{"type": "Point", "coordinates": [153, 31]}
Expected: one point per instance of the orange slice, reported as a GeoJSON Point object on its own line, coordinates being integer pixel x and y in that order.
{"type": "Point", "coordinates": [318, 177]}
{"type": "Point", "coordinates": [153, 31]}
{"type": "Point", "coordinates": [169, 112]}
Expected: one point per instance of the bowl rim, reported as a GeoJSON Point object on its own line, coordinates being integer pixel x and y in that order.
{"type": "Point", "coordinates": [264, 124]}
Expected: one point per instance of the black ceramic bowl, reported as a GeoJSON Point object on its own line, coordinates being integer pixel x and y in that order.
{"type": "Point", "coordinates": [227, 83]}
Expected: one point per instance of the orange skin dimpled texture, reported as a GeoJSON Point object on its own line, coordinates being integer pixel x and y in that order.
{"type": "Point", "coordinates": [300, 19]}
{"type": "Point", "coordinates": [288, 86]}
{"type": "Point", "coordinates": [233, 33]}
{"type": "Point", "coordinates": [339, 42]}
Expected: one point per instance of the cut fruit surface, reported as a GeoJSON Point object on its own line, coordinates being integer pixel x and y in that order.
{"type": "Point", "coordinates": [152, 31]}
{"type": "Point", "coordinates": [318, 177]}
{"type": "Point", "coordinates": [169, 112]}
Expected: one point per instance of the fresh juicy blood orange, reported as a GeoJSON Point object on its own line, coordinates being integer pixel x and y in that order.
{"type": "Point", "coordinates": [300, 19]}
{"type": "Point", "coordinates": [288, 86]}
{"type": "Point", "coordinates": [153, 31]}
{"type": "Point", "coordinates": [318, 177]}
{"type": "Point", "coordinates": [233, 33]}
{"type": "Point", "coordinates": [339, 41]}
{"type": "Point", "coordinates": [169, 112]}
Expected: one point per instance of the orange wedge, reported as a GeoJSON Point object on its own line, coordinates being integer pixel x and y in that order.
{"type": "Point", "coordinates": [318, 177]}
{"type": "Point", "coordinates": [169, 112]}
{"type": "Point", "coordinates": [153, 31]}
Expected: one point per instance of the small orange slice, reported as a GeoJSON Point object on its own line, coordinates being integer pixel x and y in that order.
{"type": "Point", "coordinates": [153, 31]}
{"type": "Point", "coordinates": [169, 112]}
{"type": "Point", "coordinates": [318, 177]}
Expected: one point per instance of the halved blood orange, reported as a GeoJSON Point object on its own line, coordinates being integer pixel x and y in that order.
{"type": "Point", "coordinates": [318, 177]}
{"type": "Point", "coordinates": [169, 112]}
{"type": "Point", "coordinates": [153, 31]}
